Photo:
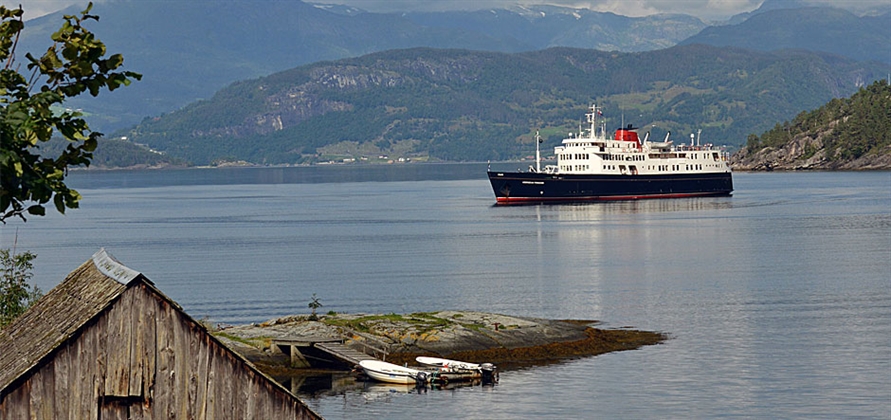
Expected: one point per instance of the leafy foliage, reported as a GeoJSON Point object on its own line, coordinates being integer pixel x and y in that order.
{"type": "Point", "coordinates": [855, 126]}
{"type": "Point", "coordinates": [74, 64]}
{"type": "Point", "coordinates": [461, 105]}
{"type": "Point", "coordinates": [16, 295]}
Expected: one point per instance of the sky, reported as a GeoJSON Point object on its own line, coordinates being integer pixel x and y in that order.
{"type": "Point", "coordinates": [707, 10]}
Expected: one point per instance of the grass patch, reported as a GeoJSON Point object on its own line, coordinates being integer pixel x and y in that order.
{"type": "Point", "coordinates": [476, 327]}
{"type": "Point", "coordinates": [419, 321]}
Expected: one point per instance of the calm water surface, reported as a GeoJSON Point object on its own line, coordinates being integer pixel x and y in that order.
{"type": "Point", "coordinates": [777, 300]}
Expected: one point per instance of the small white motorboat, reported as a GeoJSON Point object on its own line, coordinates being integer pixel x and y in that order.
{"type": "Point", "coordinates": [446, 363]}
{"type": "Point", "coordinates": [388, 372]}
{"type": "Point", "coordinates": [487, 372]}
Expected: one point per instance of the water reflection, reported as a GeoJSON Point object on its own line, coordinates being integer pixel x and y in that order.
{"type": "Point", "coordinates": [596, 211]}
{"type": "Point", "coordinates": [318, 384]}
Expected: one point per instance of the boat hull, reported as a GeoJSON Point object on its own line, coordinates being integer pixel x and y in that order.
{"type": "Point", "coordinates": [533, 187]}
{"type": "Point", "coordinates": [388, 372]}
{"type": "Point", "coordinates": [446, 363]}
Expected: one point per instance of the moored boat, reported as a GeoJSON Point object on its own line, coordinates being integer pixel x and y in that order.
{"type": "Point", "coordinates": [446, 363]}
{"type": "Point", "coordinates": [388, 372]}
{"type": "Point", "coordinates": [446, 371]}
{"type": "Point", "coordinates": [592, 167]}
{"type": "Point", "coordinates": [450, 370]}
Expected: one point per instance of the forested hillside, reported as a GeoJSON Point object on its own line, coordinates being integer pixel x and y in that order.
{"type": "Point", "coordinates": [462, 105]}
{"type": "Point", "coordinates": [115, 153]}
{"type": "Point", "coordinates": [851, 133]}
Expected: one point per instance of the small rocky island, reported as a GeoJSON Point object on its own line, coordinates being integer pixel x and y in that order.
{"type": "Point", "coordinates": [462, 335]}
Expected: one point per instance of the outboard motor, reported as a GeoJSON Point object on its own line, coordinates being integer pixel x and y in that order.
{"type": "Point", "coordinates": [421, 380]}
{"type": "Point", "coordinates": [489, 374]}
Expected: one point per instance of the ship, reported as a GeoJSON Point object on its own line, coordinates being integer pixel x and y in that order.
{"type": "Point", "coordinates": [592, 167]}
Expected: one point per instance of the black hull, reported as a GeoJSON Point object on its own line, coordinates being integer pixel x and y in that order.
{"type": "Point", "coordinates": [531, 187]}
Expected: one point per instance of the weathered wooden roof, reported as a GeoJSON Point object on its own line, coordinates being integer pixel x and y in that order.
{"type": "Point", "coordinates": [59, 314]}
{"type": "Point", "coordinates": [70, 308]}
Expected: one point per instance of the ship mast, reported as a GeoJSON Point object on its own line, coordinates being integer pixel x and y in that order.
{"type": "Point", "coordinates": [592, 119]}
{"type": "Point", "coordinates": [537, 152]}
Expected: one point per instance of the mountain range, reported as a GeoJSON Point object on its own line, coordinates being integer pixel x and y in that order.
{"type": "Point", "coordinates": [189, 50]}
{"type": "Point", "coordinates": [825, 29]}
{"type": "Point", "coordinates": [456, 105]}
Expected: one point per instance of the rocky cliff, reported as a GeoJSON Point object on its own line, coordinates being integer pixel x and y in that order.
{"type": "Point", "coordinates": [806, 153]}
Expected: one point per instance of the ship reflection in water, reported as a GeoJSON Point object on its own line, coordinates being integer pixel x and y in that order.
{"type": "Point", "coordinates": [600, 210]}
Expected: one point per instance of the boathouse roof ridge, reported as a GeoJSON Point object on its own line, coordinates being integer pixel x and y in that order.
{"type": "Point", "coordinates": [59, 314]}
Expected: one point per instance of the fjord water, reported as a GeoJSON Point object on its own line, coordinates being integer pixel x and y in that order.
{"type": "Point", "coordinates": [777, 301]}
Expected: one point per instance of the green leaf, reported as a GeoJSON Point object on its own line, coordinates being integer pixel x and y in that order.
{"type": "Point", "coordinates": [59, 201]}
{"type": "Point", "coordinates": [90, 144]}
{"type": "Point", "coordinates": [37, 210]}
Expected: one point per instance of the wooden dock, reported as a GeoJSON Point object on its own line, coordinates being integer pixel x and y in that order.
{"type": "Point", "coordinates": [342, 352]}
{"type": "Point", "coordinates": [296, 347]}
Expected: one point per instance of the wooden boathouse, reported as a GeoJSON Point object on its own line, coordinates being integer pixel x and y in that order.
{"type": "Point", "coordinates": [107, 344]}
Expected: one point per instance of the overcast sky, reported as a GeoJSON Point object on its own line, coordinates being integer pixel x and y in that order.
{"type": "Point", "coordinates": [704, 9]}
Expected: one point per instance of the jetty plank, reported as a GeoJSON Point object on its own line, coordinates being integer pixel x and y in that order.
{"type": "Point", "coordinates": [343, 352]}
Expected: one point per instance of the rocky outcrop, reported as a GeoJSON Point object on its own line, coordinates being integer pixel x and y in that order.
{"type": "Point", "coordinates": [806, 153]}
{"type": "Point", "coordinates": [464, 335]}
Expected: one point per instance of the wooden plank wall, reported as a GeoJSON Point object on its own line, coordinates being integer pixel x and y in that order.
{"type": "Point", "coordinates": [142, 359]}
